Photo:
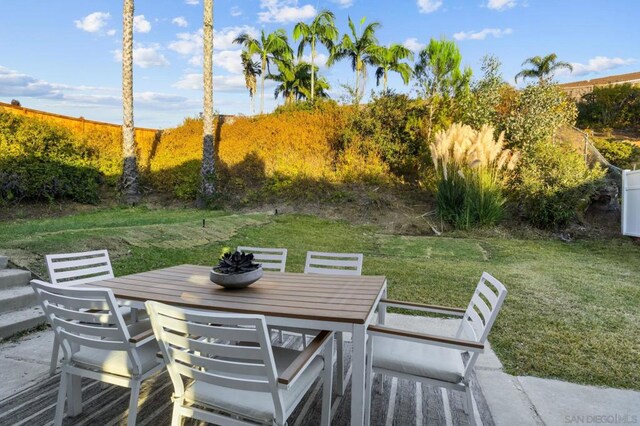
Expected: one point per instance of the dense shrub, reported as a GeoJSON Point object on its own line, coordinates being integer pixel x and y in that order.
{"type": "Point", "coordinates": [392, 126]}
{"type": "Point", "coordinates": [39, 161]}
{"type": "Point", "coordinates": [616, 106]}
{"type": "Point", "coordinates": [534, 114]}
{"type": "Point", "coordinates": [266, 152]}
{"type": "Point", "coordinates": [619, 153]}
{"type": "Point", "coordinates": [554, 184]}
{"type": "Point", "coordinates": [471, 168]}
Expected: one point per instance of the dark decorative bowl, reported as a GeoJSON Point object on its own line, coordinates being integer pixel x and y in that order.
{"type": "Point", "coordinates": [233, 281]}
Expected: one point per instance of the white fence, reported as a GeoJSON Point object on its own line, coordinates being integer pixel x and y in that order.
{"type": "Point", "coordinates": [631, 203]}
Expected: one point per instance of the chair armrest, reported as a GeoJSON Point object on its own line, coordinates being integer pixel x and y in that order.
{"type": "Point", "coordinates": [142, 338]}
{"type": "Point", "coordinates": [446, 342]}
{"type": "Point", "coordinates": [298, 365]}
{"type": "Point", "coordinates": [422, 307]}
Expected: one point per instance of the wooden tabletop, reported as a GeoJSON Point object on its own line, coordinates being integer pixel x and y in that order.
{"type": "Point", "coordinates": [336, 298]}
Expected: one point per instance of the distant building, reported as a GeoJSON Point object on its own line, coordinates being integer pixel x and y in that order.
{"type": "Point", "coordinates": [579, 88]}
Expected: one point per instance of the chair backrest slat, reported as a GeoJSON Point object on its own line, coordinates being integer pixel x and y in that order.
{"type": "Point", "coordinates": [333, 263]}
{"type": "Point", "coordinates": [227, 382]}
{"type": "Point", "coordinates": [228, 350]}
{"type": "Point", "coordinates": [218, 364]}
{"type": "Point", "coordinates": [215, 332]}
{"type": "Point", "coordinates": [271, 259]}
{"type": "Point", "coordinates": [215, 349]}
{"type": "Point", "coordinates": [86, 317]}
{"type": "Point", "coordinates": [79, 268]}
{"type": "Point", "coordinates": [481, 312]}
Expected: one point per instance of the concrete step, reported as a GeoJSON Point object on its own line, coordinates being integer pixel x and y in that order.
{"type": "Point", "coordinates": [15, 298]}
{"type": "Point", "coordinates": [14, 322]}
{"type": "Point", "coordinates": [14, 278]}
{"type": "Point", "coordinates": [3, 262]}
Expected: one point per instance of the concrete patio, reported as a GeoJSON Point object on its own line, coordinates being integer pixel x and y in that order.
{"type": "Point", "coordinates": [512, 400]}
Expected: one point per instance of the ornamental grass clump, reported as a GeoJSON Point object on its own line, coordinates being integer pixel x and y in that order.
{"type": "Point", "coordinates": [471, 168]}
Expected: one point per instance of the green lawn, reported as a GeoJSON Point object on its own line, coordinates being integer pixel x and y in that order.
{"type": "Point", "coordinates": [572, 311]}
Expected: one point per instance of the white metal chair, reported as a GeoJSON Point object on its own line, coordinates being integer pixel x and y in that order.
{"type": "Point", "coordinates": [97, 344]}
{"type": "Point", "coordinates": [271, 259]}
{"type": "Point", "coordinates": [431, 359]}
{"type": "Point", "coordinates": [334, 264]}
{"type": "Point", "coordinates": [237, 376]}
{"type": "Point", "coordinates": [70, 269]}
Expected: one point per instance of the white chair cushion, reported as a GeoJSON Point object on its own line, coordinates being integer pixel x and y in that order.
{"type": "Point", "coordinates": [257, 405]}
{"type": "Point", "coordinates": [418, 359]}
{"type": "Point", "coordinates": [118, 362]}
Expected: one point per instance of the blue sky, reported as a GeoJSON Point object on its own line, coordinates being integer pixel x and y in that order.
{"type": "Point", "coordinates": [62, 56]}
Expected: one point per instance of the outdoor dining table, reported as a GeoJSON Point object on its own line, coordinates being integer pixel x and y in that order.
{"type": "Point", "coordinates": [292, 300]}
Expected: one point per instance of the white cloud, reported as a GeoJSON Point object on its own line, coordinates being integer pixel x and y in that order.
{"type": "Point", "coordinates": [413, 44]}
{"type": "Point", "coordinates": [501, 4]}
{"type": "Point", "coordinates": [180, 21]}
{"type": "Point", "coordinates": [111, 32]}
{"type": "Point", "coordinates": [13, 83]}
{"type": "Point", "coordinates": [190, 44]}
{"type": "Point", "coordinates": [236, 11]}
{"type": "Point", "coordinates": [481, 35]}
{"type": "Point", "coordinates": [141, 25]}
{"type": "Point", "coordinates": [93, 22]}
{"type": "Point", "coordinates": [192, 2]}
{"type": "Point", "coordinates": [343, 3]}
{"type": "Point", "coordinates": [428, 6]}
{"type": "Point", "coordinates": [283, 11]}
{"type": "Point", "coordinates": [320, 62]}
{"type": "Point", "coordinates": [145, 56]}
{"type": "Point", "coordinates": [221, 83]}
{"type": "Point", "coordinates": [223, 39]}
{"type": "Point", "coordinates": [597, 64]}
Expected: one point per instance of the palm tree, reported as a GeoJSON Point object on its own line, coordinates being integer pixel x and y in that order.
{"type": "Point", "coordinates": [207, 172]}
{"type": "Point", "coordinates": [250, 69]}
{"type": "Point", "coordinates": [359, 49]}
{"type": "Point", "coordinates": [388, 59]}
{"type": "Point", "coordinates": [273, 45]}
{"type": "Point", "coordinates": [322, 29]}
{"type": "Point", "coordinates": [130, 176]}
{"type": "Point", "coordinates": [295, 81]}
{"type": "Point", "coordinates": [542, 67]}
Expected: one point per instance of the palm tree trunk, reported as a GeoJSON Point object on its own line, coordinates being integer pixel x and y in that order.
{"type": "Point", "coordinates": [130, 176]}
{"type": "Point", "coordinates": [313, 68]}
{"type": "Point", "coordinates": [357, 91]}
{"type": "Point", "coordinates": [385, 80]}
{"type": "Point", "coordinates": [207, 173]}
{"type": "Point", "coordinates": [262, 75]}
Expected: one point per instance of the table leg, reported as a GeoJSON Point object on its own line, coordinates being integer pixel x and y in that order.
{"type": "Point", "coordinates": [358, 374]}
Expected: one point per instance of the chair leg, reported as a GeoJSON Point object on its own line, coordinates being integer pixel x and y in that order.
{"type": "Point", "coordinates": [280, 336]}
{"type": "Point", "coordinates": [62, 396]}
{"type": "Point", "coordinates": [74, 395]}
{"type": "Point", "coordinates": [381, 384]}
{"type": "Point", "coordinates": [304, 340]}
{"type": "Point", "coordinates": [133, 403]}
{"type": "Point", "coordinates": [176, 418]}
{"type": "Point", "coordinates": [54, 356]}
{"type": "Point", "coordinates": [469, 406]}
{"type": "Point", "coordinates": [368, 382]}
{"type": "Point", "coordinates": [340, 363]}
{"type": "Point", "coordinates": [327, 384]}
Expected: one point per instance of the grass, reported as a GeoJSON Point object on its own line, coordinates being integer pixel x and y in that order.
{"type": "Point", "coordinates": [571, 313]}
